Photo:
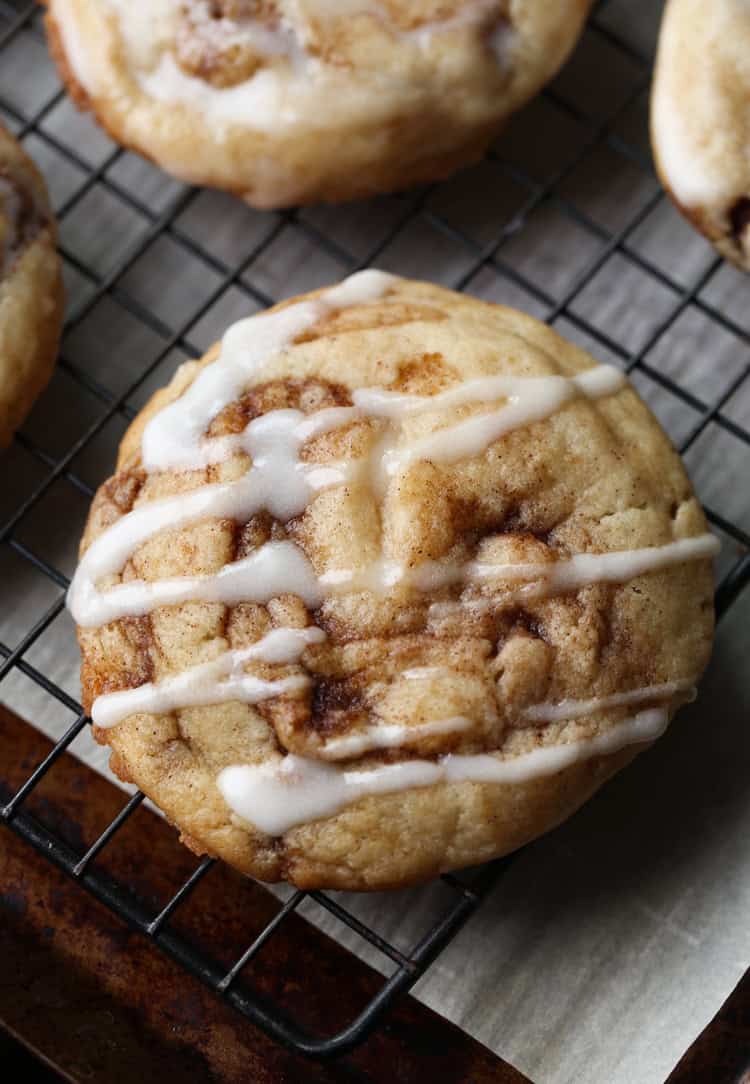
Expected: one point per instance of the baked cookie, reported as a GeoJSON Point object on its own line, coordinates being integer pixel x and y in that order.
{"type": "Point", "coordinates": [31, 295]}
{"type": "Point", "coordinates": [388, 583]}
{"type": "Point", "coordinates": [700, 119]}
{"type": "Point", "coordinates": [296, 101]}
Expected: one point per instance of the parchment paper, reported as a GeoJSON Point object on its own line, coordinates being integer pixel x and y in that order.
{"type": "Point", "coordinates": [610, 943]}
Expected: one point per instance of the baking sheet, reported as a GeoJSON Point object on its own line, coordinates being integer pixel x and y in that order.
{"type": "Point", "coordinates": [612, 942]}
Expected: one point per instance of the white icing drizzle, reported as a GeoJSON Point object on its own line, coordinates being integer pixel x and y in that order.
{"type": "Point", "coordinates": [390, 736]}
{"type": "Point", "coordinates": [174, 439]}
{"type": "Point", "coordinates": [271, 99]}
{"type": "Point", "coordinates": [223, 32]}
{"type": "Point", "coordinates": [279, 795]}
{"type": "Point", "coordinates": [594, 383]}
{"type": "Point", "coordinates": [583, 569]}
{"type": "Point", "coordinates": [537, 580]}
{"type": "Point", "coordinates": [574, 709]}
{"type": "Point", "coordinates": [302, 91]}
{"type": "Point", "coordinates": [217, 681]}
{"type": "Point", "coordinates": [279, 481]}
{"type": "Point", "coordinates": [277, 568]}
{"type": "Point", "coordinates": [529, 400]}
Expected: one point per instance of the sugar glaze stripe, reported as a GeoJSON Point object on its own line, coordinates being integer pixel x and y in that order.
{"type": "Point", "coordinates": [279, 481]}
{"type": "Point", "coordinates": [279, 795]}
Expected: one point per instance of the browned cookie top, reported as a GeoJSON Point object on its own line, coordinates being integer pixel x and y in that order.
{"type": "Point", "coordinates": [498, 555]}
{"type": "Point", "coordinates": [291, 101]}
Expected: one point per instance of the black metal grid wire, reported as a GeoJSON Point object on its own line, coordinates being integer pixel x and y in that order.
{"type": "Point", "coordinates": [18, 18]}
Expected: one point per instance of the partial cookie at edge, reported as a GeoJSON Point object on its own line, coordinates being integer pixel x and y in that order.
{"type": "Point", "coordinates": [700, 131]}
{"type": "Point", "coordinates": [446, 95]}
{"type": "Point", "coordinates": [31, 291]}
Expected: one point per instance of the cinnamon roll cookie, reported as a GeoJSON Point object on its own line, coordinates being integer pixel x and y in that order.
{"type": "Point", "coordinates": [700, 119]}
{"type": "Point", "coordinates": [388, 583]}
{"type": "Point", "coordinates": [31, 298]}
{"type": "Point", "coordinates": [296, 101]}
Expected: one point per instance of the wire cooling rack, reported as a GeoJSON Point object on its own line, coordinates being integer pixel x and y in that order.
{"type": "Point", "coordinates": [467, 231]}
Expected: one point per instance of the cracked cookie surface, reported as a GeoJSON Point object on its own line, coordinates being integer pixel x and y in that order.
{"type": "Point", "coordinates": [397, 652]}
